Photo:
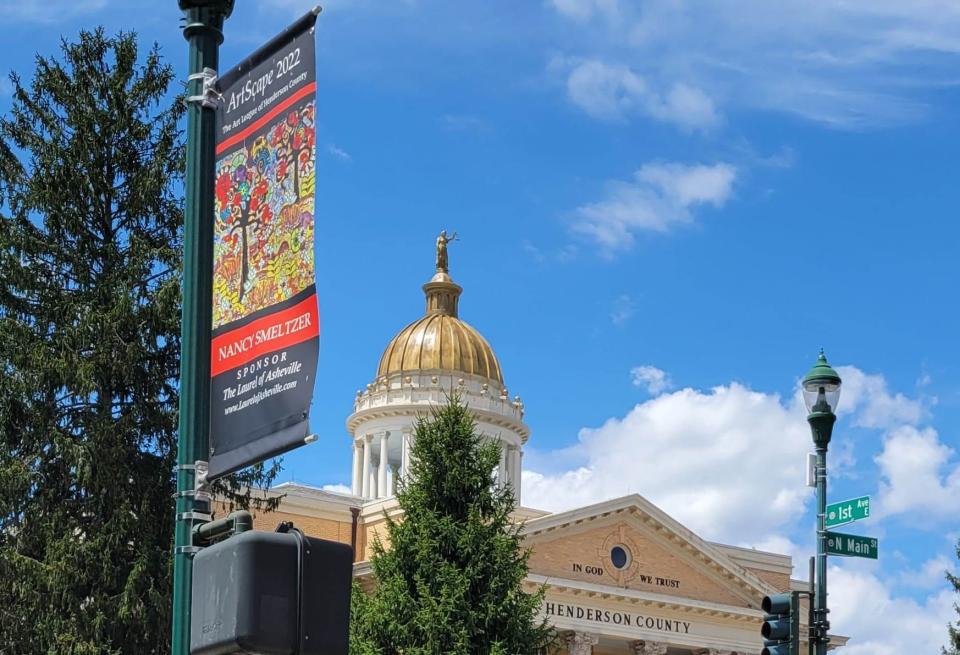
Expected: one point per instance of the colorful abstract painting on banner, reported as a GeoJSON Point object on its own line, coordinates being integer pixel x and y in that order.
{"type": "Point", "coordinates": [263, 247]}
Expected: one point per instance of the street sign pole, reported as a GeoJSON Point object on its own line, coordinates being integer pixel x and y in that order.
{"type": "Point", "coordinates": [204, 22]}
{"type": "Point", "coordinates": [811, 590]}
{"type": "Point", "coordinates": [820, 601]}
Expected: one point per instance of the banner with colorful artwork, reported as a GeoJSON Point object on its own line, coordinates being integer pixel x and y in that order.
{"type": "Point", "coordinates": [266, 330]}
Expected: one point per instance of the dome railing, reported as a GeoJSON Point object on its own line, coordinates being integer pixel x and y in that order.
{"type": "Point", "coordinates": [382, 395]}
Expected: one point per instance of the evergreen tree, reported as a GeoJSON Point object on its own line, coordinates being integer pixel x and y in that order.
{"type": "Point", "coordinates": [360, 643]}
{"type": "Point", "coordinates": [450, 579]}
{"type": "Point", "coordinates": [91, 161]}
{"type": "Point", "coordinates": [953, 647]}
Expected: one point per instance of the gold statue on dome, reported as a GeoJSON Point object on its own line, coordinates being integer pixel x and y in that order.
{"type": "Point", "coordinates": [442, 241]}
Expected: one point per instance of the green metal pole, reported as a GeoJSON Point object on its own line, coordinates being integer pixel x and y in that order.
{"type": "Point", "coordinates": [821, 601]}
{"type": "Point", "coordinates": [811, 592]}
{"type": "Point", "coordinates": [204, 22]}
{"type": "Point", "coordinates": [821, 421]}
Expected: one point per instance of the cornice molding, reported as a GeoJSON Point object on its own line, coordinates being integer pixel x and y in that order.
{"type": "Point", "coordinates": [643, 598]}
{"type": "Point", "coordinates": [757, 559]}
{"type": "Point", "coordinates": [411, 411]}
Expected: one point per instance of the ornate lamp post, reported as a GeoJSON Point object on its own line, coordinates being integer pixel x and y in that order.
{"type": "Point", "coordinates": [203, 31]}
{"type": "Point", "coordinates": [821, 391]}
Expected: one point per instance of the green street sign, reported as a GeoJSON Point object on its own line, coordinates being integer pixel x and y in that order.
{"type": "Point", "coordinates": [851, 545]}
{"type": "Point", "coordinates": [848, 511]}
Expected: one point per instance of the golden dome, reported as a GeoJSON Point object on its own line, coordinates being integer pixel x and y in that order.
{"type": "Point", "coordinates": [440, 340]}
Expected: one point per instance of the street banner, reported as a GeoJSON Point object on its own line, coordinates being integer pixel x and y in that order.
{"type": "Point", "coordinates": [266, 329]}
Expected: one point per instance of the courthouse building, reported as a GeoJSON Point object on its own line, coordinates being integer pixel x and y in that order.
{"type": "Point", "coordinates": [621, 576]}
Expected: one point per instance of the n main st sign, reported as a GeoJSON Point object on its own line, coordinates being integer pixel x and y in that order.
{"type": "Point", "coordinates": [852, 545]}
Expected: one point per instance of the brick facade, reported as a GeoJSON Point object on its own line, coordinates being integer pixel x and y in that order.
{"type": "Point", "coordinates": [654, 566]}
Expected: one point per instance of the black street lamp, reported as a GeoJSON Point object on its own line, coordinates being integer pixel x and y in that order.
{"type": "Point", "coordinates": [821, 391]}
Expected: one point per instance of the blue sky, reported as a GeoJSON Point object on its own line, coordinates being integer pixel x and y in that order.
{"type": "Point", "coordinates": [666, 208]}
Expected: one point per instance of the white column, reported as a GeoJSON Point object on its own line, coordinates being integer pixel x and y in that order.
{"type": "Point", "coordinates": [365, 487]}
{"type": "Point", "coordinates": [502, 471]}
{"type": "Point", "coordinates": [516, 491]}
{"type": "Point", "coordinates": [357, 461]}
{"type": "Point", "coordinates": [581, 643]}
{"type": "Point", "coordinates": [504, 474]}
{"type": "Point", "coordinates": [394, 477]}
{"type": "Point", "coordinates": [406, 444]}
{"type": "Point", "coordinates": [384, 457]}
{"type": "Point", "coordinates": [642, 647]}
{"type": "Point", "coordinates": [515, 469]}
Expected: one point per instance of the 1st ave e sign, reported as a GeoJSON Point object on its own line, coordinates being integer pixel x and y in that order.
{"type": "Point", "coordinates": [851, 545]}
{"type": "Point", "coordinates": [848, 511]}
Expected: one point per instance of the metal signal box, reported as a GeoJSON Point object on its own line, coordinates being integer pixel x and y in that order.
{"type": "Point", "coordinates": [271, 593]}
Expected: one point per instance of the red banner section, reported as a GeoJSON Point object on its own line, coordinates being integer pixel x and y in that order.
{"type": "Point", "coordinates": [265, 335]}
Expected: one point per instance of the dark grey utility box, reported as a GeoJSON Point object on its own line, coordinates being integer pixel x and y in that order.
{"type": "Point", "coordinates": [249, 589]}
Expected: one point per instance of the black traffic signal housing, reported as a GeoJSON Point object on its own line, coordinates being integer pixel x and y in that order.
{"type": "Point", "coordinates": [781, 624]}
{"type": "Point", "coordinates": [271, 593]}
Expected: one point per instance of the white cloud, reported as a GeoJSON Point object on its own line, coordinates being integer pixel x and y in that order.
{"type": "Point", "coordinates": [694, 455]}
{"type": "Point", "coordinates": [339, 153]}
{"type": "Point", "coordinates": [845, 64]}
{"type": "Point", "coordinates": [928, 575]}
{"type": "Point", "coordinates": [337, 488]}
{"type": "Point", "coordinates": [623, 310]}
{"type": "Point", "coordinates": [685, 105]}
{"type": "Point", "coordinates": [613, 93]}
{"type": "Point", "coordinates": [604, 91]}
{"type": "Point", "coordinates": [881, 623]}
{"type": "Point", "coordinates": [918, 475]}
{"type": "Point", "coordinates": [48, 11]}
{"type": "Point", "coordinates": [868, 398]}
{"type": "Point", "coordinates": [585, 9]}
{"type": "Point", "coordinates": [652, 378]}
{"type": "Point", "coordinates": [690, 185]}
{"type": "Point", "coordinates": [660, 196]}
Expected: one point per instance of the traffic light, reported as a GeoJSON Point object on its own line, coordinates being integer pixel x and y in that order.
{"type": "Point", "coordinates": [781, 624]}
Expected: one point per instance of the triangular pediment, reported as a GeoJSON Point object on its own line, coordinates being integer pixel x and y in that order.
{"type": "Point", "coordinates": [631, 544]}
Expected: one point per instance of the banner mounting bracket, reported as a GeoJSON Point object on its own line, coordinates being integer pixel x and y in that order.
{"type": "Point", "coordinates": [209, 96]}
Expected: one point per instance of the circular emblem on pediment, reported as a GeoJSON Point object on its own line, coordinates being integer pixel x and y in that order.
{"type": "Point", "coordinates": [619, 555]}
